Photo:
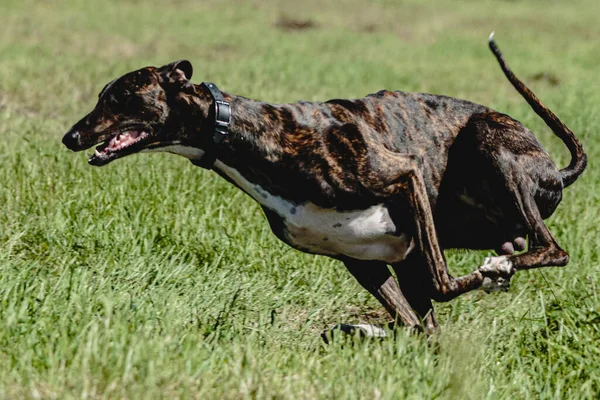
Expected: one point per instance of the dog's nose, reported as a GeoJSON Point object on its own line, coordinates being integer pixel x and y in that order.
{"type": "Point", "coordinates": [71, 139]}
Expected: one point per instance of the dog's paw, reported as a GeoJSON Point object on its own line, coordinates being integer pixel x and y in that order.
{"type": "Point", "coordinates": [361, 330]}
{"type": "Point", "coordinates": [496, 273]}
{"type": "Point", "coordinates": [497, 266]}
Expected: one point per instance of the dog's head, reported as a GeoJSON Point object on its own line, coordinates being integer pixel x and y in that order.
{"type": "Point", "coordinates": [144, 109]}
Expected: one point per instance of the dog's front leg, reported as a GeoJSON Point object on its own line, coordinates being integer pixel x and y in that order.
{"type": "Point", "coordinates": [415, 283]}
{"type": "Point", "coordinates": [379, 281]}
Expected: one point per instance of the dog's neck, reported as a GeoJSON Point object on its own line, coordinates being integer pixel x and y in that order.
{"type": "Point", "coordinates": [256, 130]}
{"type": "Point", "coordinates": [274, 147]}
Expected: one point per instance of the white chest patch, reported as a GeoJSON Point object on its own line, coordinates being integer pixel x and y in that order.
{"type": "Point", "coordinates": [188, 152]}
{"type": "Point", "coordinates": [368, 234]}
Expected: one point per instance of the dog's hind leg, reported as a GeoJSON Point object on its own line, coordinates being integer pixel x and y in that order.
{"type": "Point", "coordinates": [543, 249]}
{"type": "Point", "coordinates": [528, 182]}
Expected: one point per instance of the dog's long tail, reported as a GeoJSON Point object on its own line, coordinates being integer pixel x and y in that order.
{"type": "Point", "coordinates": [578, 156]}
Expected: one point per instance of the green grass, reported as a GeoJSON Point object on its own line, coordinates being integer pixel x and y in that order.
{"type": "Point", "coordinates": [150, 278]}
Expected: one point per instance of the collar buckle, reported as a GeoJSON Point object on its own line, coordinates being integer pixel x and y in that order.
{"type": "Point", "coordinates": [223, 116]}
{"type": "Point", "coordinates": [222, 110]}
{"type": "Point", "coordinates": [222, 120]}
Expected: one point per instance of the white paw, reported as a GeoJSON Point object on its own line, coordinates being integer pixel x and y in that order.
{"type": "Point", "coordinates": [496, 273]}
{"type": "Point", "coordinates": [497, 266]}
{"type": "Point", "coordinates": [368, 330]}
{"type": "Point", "coordinates": [362, 330]}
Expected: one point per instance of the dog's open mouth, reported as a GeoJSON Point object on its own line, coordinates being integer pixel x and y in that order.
{"type": "Point", "coordinates": [119, 145]}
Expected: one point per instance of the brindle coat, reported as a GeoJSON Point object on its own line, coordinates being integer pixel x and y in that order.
{"type": "Point", "coordinates": [401, 176]}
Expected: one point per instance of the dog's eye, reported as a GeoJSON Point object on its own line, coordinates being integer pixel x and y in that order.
{"type": "Point", "coordinates": [131, 102]}
{"type": "Point", "coordinates": [119, 100]}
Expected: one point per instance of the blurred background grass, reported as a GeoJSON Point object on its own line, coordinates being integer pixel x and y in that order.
{"type": "Point", "coordinates": [150, 278]}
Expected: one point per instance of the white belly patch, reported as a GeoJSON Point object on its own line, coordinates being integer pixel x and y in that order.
{"type": "Point", "coordinates": [368, 234]}
{"type": "Point", "coordinates": [362, 234]}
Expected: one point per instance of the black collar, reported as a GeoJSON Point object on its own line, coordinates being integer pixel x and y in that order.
{"type": "Point", "coordinates": [222, 116]}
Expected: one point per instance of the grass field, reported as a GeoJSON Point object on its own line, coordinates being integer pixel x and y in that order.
{"type": "Point", "coordinates": [150, 278]}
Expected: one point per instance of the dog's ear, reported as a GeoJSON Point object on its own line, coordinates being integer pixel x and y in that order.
{"type": "Point", "coordinates": [178, 72]}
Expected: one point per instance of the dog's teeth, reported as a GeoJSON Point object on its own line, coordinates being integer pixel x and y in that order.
{"type": "Point", "coordinates": [97, 153]}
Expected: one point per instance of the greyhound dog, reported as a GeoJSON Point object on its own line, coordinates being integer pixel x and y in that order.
{"type": "Point", "coordinates": [392, 179]}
